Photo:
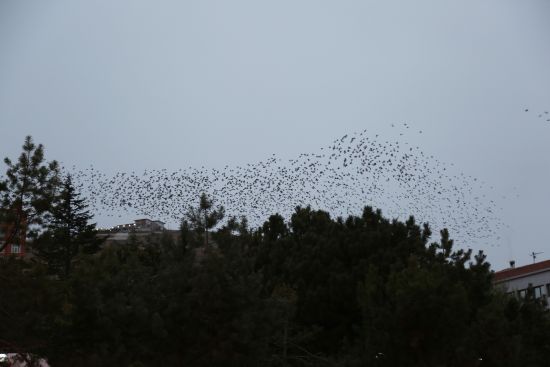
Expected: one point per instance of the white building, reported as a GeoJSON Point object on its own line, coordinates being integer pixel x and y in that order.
{"type": "Point", "coordinates": [517, 280]}
{"type": "Point", "coordinates": [149, 225]}
{"type": "Point", "coordinates": [141, 225]}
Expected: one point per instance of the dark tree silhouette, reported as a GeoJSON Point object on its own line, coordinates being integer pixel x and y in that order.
{"type": "Point", "coordinates": [27, 193]}
{"type": "Point", "coordinates": [69, 232]}
{"type": "Point", "coordinates": [204, 217]}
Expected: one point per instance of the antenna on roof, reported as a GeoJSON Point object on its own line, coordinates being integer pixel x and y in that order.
{"type": "Point", "coordinates": [534, 255]}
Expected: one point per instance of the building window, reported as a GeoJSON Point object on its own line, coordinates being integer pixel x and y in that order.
{"type": "Point", "coordinates": [538, 292]}
{"type": "Point", "coordinates": [15, 249]}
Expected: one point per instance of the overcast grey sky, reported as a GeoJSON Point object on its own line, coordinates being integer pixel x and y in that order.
{"type": "Point", "coordinates": [133, 84]}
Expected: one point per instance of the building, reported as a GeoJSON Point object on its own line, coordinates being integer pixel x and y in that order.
{"type": "Point", "coordinates": [149, 225]}
{"type": "Point", "coordinates": [15, 240]}
{"type": "Point", "coordinates": [517, 280]}
{"type": "Point", "coordinates": [140, 225]}
{"type": "Point", "coordinates": [141, 231]}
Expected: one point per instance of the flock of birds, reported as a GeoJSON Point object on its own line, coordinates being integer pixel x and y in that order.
{"type": "Point", "coordinates": [353, 171]}
{"type": "Point", "coordinates": [542, 115]}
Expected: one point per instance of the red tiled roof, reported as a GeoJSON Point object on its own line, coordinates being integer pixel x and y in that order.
{"type": "Point", "coordinates": [522, 270]}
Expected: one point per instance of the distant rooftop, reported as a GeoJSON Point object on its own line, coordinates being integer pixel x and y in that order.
{"type": "Point", "coordinates": [147, 219]}
{"type": "Point", "coordinates": [522, 271]}
{"type": "Point", "coordinates": [139, 224]}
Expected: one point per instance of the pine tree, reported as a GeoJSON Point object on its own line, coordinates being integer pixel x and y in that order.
{"type": "Point", "coordinates": [205, 217]}
{"type": "Point", "coordinates": [27, 193]}
{"type": "Point", "coordinates": [69, 232]}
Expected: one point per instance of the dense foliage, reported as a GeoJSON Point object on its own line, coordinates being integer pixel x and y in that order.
{"type": "Point", "coordinates": [68, 232]}
{"type": "Point", "coordinates": [314, 291]}
{"type": "Point", "coordinates": [27, 192]}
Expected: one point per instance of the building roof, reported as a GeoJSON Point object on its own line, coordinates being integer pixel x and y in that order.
{"type": "Point", "coordinates": [521, 271]}
{"type": "Point", "coordinates": [150, 220]}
